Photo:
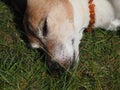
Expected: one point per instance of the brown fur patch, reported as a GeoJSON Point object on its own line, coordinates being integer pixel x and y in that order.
{"type": "Point", "coordinates": [37, 9]}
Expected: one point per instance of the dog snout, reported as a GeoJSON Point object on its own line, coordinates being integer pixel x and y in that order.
{"type": "Point", "coordinates": [68, 63]}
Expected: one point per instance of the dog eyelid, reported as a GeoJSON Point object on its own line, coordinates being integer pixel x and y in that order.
{"type": "Point", "coordinates": [45, 28]}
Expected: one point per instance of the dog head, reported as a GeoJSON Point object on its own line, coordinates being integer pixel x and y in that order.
{"type": "Point", "coordinates": [50, 24]}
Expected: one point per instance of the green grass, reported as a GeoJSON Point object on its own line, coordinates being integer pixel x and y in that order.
{"type": "Point", "coordinates": [21, 68]}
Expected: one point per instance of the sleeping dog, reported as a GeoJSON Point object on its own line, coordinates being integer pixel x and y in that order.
{"type": "Point", "coordinates": [58, 25]}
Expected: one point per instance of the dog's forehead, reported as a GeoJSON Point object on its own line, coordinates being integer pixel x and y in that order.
{"type": "Point", "coordinates": [37, 10]}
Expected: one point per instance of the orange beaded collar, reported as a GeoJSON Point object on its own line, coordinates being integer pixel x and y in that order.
{"type": "Point", "coordinates": [92, 15]}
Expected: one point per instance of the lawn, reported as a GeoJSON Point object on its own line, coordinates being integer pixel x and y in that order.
{"type": "Point", "coordinates": [22, 68]}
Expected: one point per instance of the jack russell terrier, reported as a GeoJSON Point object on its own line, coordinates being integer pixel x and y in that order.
{"type": "Point", "coordinates": [58, 25]}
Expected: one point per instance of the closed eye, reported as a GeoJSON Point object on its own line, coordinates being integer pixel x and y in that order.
{"type": "Point", "coordinates": [45, 28]}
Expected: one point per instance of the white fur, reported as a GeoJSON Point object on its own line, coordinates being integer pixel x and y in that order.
{"type": "Point", "coordinates": [81, 14]}
{"type": "Point", "coordinates": [116, 6]}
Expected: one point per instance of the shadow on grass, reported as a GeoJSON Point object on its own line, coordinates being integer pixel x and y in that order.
{"type": "Point", "coordinates": [18, 8]}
